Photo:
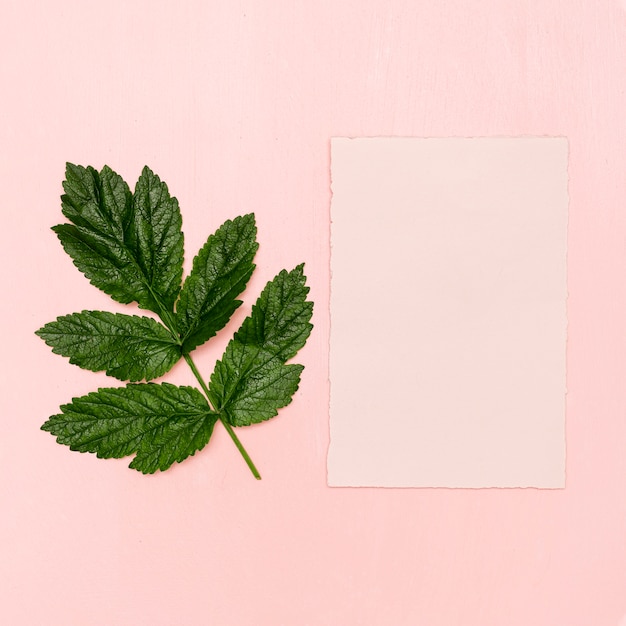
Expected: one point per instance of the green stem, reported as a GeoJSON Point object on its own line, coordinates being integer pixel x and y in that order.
{"type": "Point", "coordinates": [242, 450]}
{"type": "Point", "coordinates": [196, 373]}
{"type": "Point", "coordinates": [227, 426]}
{"type": "Point", "coordinates": [171, 324]}
{"type": "Point", "coordinates": [168, 319]}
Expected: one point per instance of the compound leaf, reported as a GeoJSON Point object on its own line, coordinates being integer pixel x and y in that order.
{"type": "Point", "coordinates": [130, 245]}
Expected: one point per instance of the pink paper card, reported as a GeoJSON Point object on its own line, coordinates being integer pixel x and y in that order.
{"type": "Point", "coordinates": [448, 312]}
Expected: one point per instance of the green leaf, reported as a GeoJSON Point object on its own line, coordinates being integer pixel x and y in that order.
{"type": "Point", "coordinates": [127, 347]}
{"type": "Point", "coordinates": [130, 248]}
{"type": "Point", "coordinates": [162, 423]}
{"type": "Point", "coordinates": [173, 442]}
{"type": "Point", "coordinates": [220, 273]}
{"type": "Point", "coordinates": [107, 264]}
{"type": "Point", "coordinates": [101, 202]}
{"type": "Point", "coordinates": [130, 245]}
{"type": "Point", "coordinates": [251, 381]}
{"type": "Point", "coordinates": [155, 237]}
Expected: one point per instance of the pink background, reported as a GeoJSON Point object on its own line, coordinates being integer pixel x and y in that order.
{"type": "Point", "coordinates": [233, 103]}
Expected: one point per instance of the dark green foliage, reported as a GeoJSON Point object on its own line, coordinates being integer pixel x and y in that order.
{"type": "Point", "coordinates": [251, 381]}
{"type": "Point", "coordinates": [127, 347]}
{"type": "Point", "coordinates": [130, 245]}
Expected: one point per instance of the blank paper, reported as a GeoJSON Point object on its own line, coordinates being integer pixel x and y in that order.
{"type": "Point", "coordinates": [448, 312]}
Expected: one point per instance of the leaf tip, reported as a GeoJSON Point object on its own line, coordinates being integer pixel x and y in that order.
{"type": "Point", "coordinates": [71, 168]}
{"type": "Point", "coordinates": [47, 426]}
{"type": "Point", "coordinates": [149, 175]}
{"type": "Point", "coordinates": [146, 471]}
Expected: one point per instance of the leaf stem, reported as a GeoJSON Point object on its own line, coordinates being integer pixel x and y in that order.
{"type": "Point", "coordinates": [167, 318]}
{"type": "Point", "coordinates": [196, 373]}
{"type": "Point", "coordinates": [227, 426]}
{"type": "Point", "coordinates": [242, 450]}
{"type": "Point", "coordinates": [170, 322]}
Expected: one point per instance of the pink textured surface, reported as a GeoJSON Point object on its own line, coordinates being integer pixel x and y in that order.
{"type": "Point", "coordinates": [233, 103]}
